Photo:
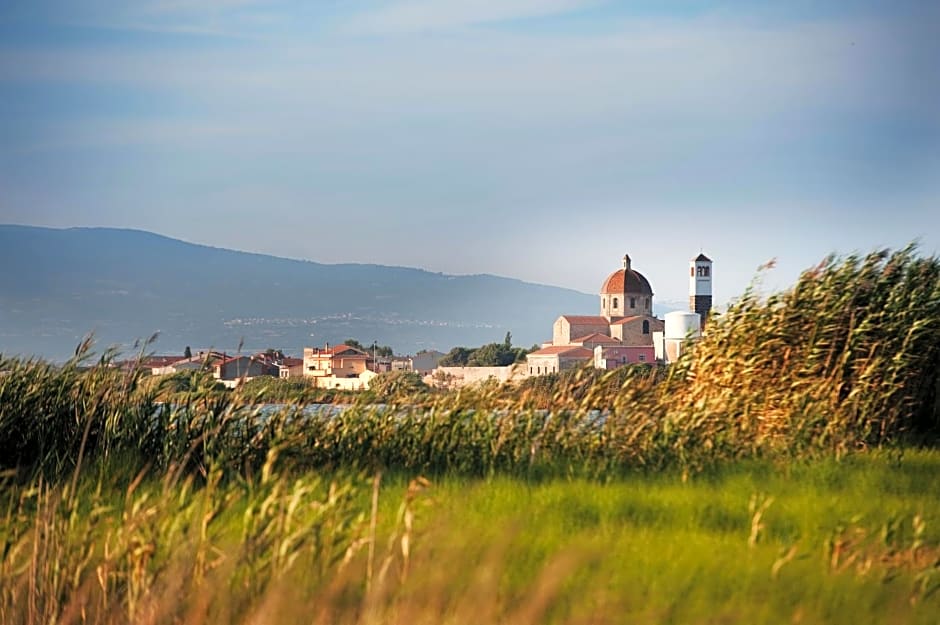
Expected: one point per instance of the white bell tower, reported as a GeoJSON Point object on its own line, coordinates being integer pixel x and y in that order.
{"type": "Point", "coordinates": [700, 286]}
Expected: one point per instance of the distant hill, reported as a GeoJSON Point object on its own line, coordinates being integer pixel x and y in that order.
{"type": "Point", "coordinates": [57, 285]}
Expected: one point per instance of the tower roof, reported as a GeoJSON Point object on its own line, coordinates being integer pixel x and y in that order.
{"type": "Point", "coordinates": [702, 257]}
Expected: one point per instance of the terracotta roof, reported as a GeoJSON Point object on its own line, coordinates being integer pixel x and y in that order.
{"type": "Point", "coordinates": [702, 257]}
{"type": "Point", "coordinates": [623, 320]}
{"type": "Point", "coordinates": [566, 350]}
{"type": "Point", "coordinates": [596, 337]}
{"type": "Point", "coordinates": [626, 281]}
{"type": "Point", "coordinates": [585, 319]}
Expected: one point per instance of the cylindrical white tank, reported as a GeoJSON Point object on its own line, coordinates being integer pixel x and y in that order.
{"type": "Point", "coordinates": [680, 325]}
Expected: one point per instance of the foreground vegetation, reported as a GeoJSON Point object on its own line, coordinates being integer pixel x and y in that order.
{"type": "Point", "coordinates": [854, 541]}
{"type": "Point", "coordinates": [784, 470]}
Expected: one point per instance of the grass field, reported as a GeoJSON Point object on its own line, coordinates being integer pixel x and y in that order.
{"type": "Point", "coordinates": [826, 541]}
{"type": "Point", "coordinates": [784, 470]}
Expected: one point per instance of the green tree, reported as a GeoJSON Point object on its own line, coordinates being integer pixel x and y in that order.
{"type": "Point", "coordinates": [380, 350]}
{"type": "Point", "coordinates": [456, 357]}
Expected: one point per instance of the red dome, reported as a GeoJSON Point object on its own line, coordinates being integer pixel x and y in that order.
{"type": "Point", "coordinates": [626, 281]}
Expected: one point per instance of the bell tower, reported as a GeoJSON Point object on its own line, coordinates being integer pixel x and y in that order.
{"type": "Point", "coordinates": [700, 286]}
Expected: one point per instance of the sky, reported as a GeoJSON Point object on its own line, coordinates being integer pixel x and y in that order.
{"type": "Point", "coordinates": [536, 139]}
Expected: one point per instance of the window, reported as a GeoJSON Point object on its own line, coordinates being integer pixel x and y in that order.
{"type": "Point", "coordinates": [691, 272]}
{"type": "Point", "coordinates": [603, 302]}
{"type": "Point", "coordinates": [703, 272]}
{"type": "Point", "coordinates": [530, 370]}
{"type": "Point", "coordinates": [646, 326]}
{"type": "Point", "coordinates": [632, 302]}
{"type": "Point", "coordinates": [647, 303]}
{"type": "Point", "coordinates": [615, 302]}
{"type": "Point", "coordinates": [642, 357]}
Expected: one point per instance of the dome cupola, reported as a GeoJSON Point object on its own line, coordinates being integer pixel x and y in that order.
{"type": "Point", "coordinates": [626, 292]}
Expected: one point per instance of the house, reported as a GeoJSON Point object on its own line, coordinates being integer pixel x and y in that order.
{"type": "Point", "coordinates": [401, 363]}
{"type": "Point", "coordinates": [156, 364]}
{"type": "Point", "coordinates": [557, 358]}
{"type": "Point", "coordinates": [203, 360]}
{"type": "Point", "coordinates": [613, 356]}
{"type": "Point", "coordinates": [289, 368]}
{"type": "Point", "coordinates": [426, 361]}
{"type": "Point", "coordinates": [234, 369]}
{"type": "Point", "coordinates": [340, 361]}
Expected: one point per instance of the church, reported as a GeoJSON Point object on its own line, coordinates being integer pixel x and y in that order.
{"type": "Point", "coordinates": [623, 332]}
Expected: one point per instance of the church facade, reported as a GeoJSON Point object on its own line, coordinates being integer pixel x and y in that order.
{"type": "Point", "coordinates": [621, 334]}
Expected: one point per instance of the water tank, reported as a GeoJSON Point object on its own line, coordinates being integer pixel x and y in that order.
{"type": "Point", "coordinates": [680, 324]}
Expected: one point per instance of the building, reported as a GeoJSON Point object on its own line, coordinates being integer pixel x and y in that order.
{"type": "Point", "coordinates": [557, 358]}
{"type": "Point", "coordinates": [613, 356]}
{"type": "Point", "coordinates": [339, 361]}
{"type": "Point", "coordinates": [232, 370]}
{"type": "Point", "coordinates": [625, 321]}
{"type": "Point", "coordinates": [426, 361]}
{"type": "Point", "coordinates": [289, 368]}
{"type": "Point", "coordinates": [681, 329]}
{"type": "Point", "coordinates": [700, 286]}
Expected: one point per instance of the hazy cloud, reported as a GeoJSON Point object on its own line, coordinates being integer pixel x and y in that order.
{"type": "Point", "coordinates": [409, 16]}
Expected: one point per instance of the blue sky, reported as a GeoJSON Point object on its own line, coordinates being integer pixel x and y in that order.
{"type": "Point", "coordinates": [538, 139]}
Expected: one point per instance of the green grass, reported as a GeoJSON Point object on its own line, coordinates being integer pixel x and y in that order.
{"type": "Point", "coordinates": [772, 475]}
{"type": "Point", "coordinates": [855, 540]}
{"type": "Point", "coordinates": [660, 549]}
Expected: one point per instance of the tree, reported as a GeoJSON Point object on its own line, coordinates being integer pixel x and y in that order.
{"type": "Point", "coordinates": [492, 355]}
{"type": "Point", "coordinates": [380, 350]}
{"type": "Point", "coordinates": [187, 353]}
{"type": "Point", "coordinates": [274, 354]}
{"type": "Point", "coordinates": [456, 357]}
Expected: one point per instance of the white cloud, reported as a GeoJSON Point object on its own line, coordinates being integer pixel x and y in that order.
{"type": "Point", "coordinates": [408, 16]}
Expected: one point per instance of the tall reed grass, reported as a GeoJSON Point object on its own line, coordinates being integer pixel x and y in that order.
{"type": "Point", "coordinates": [846, 359]}
{"type": "Point", "coordinates": [121, 490]}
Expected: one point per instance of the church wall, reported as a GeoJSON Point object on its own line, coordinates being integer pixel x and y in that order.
{"type": "Point", "coordinates": [563, 331]}
{"type": "Point", "coordinates": [632, 332]}
{"type": "Point", "coordinates": [583, 329]}
{"type": "Point", "coordinates": [623, 305]}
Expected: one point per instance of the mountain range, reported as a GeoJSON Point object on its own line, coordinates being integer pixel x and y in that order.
{"type": "Point", "coordinates": [59, 284]}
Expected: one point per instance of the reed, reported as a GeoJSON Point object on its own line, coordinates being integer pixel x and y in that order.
{"type": "Point", "coordinates": [130, 499]}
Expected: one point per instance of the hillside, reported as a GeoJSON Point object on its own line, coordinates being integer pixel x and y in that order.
{"type": "Point", "coordinates": [128, 284]}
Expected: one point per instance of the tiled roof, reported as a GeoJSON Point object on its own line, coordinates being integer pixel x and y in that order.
{"type": "Point", "coordinates": [585, 319]}
{"type": "Point", "coordinates": [626, 281]}
{"type": "Point", "coordinates": [565, 350]}
{"type": "Point", "coordinates": [596, 337]}
{"type": "Point", "coordinates": [620, 322]}
{"type": "Point", "coordinates": [702, 257]}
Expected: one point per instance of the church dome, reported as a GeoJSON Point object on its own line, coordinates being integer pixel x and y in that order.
{"type": "Point", "coordinates": [626, 280]}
